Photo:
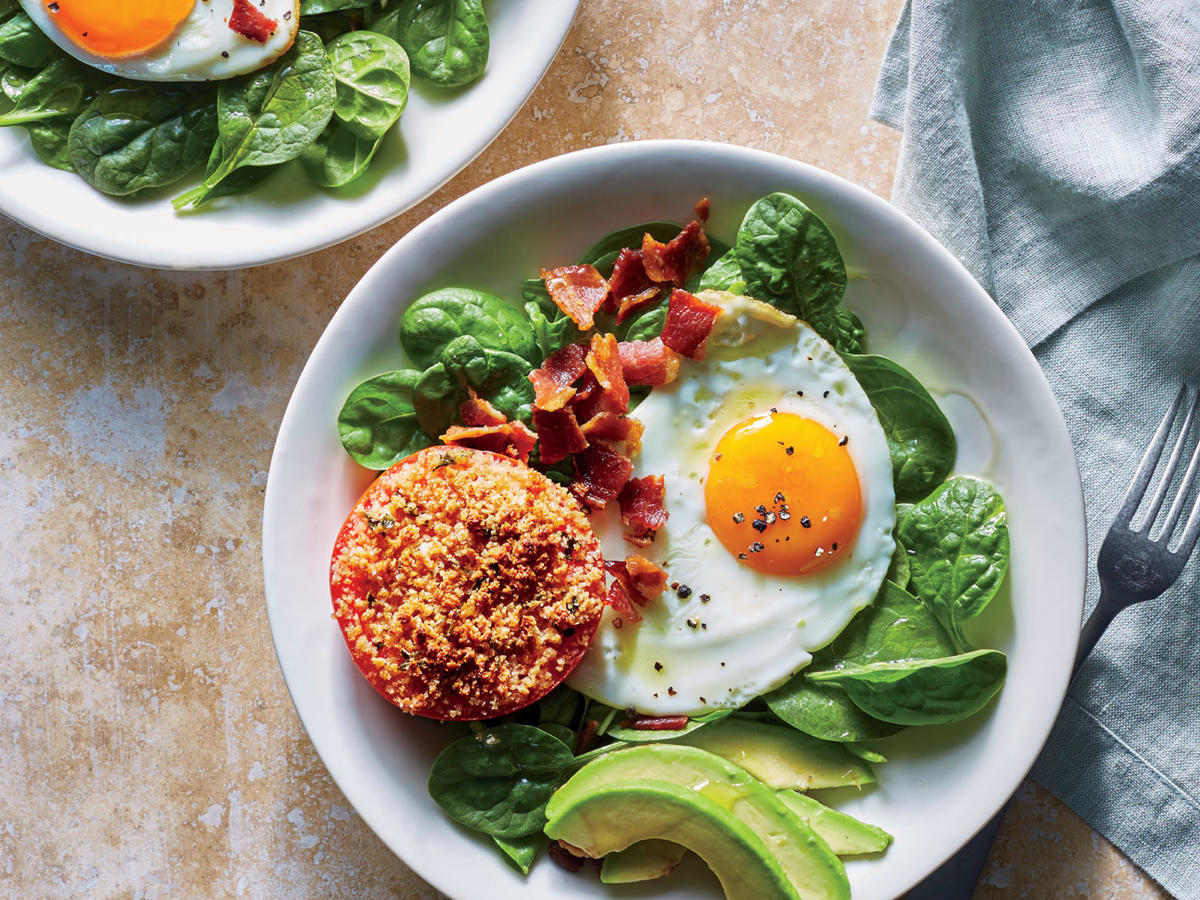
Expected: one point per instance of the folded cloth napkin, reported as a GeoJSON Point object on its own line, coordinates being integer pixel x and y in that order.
{"type": "Point", "coordinates": [1055, 148]}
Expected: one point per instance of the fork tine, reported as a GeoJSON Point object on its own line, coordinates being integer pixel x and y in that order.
{"type": "Point", "coordinates": [1164, 485]}
{"type": "Point", "coordinates": [1141, 478]}
{"type": "Point", "coordinates": [1181, 497]}
{"type": "Point", "coordinates": [1192, 535]}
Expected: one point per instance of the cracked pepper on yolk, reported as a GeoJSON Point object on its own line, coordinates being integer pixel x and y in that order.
{"type": "Point", "coordinates": [119, 29]}
{"type": "Point", "coordinates": [783, 495]}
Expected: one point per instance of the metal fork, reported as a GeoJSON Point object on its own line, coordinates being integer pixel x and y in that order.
{"type": "Point", "coordinates": [1134, 567]}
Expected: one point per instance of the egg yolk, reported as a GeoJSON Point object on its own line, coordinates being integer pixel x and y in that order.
{"type": "Point", "coordinates": [782, 494]}
{"type": "Point", "coordinates": [110, 29]}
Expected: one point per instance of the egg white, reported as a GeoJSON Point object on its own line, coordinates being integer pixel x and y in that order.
{"type": "Point", "coordinates": [754, 631]}
{"type": "Point", "coordinates": [203, 48]}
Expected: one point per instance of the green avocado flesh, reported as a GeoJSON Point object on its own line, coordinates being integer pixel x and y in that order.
{"type": "Point", "coordinates": [813, 870]}
{"type": "Point", "coordinates": [642, 862]}
{"type": "Point", "coordinates": [780, 756]}
{"type": "Point", "coordinates": [845, 835]}
{"type": "Point", "coordinates": [611, 817]}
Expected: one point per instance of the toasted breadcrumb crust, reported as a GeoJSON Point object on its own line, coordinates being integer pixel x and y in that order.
{"type": "Point", "coordinates": [467, 584]}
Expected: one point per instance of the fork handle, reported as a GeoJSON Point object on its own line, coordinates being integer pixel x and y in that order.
{"type": "Point", "coordinates": [1106, 609]}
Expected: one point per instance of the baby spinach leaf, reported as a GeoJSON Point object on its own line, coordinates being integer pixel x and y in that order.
{"type": "Point", "coordinates": [22, 43]}
{"type": "Point", "coordinates": [436, 400]}
{"type": "Point", "coordinates": [789, 258]}
{"type": "Point", "coordinates": [49, 141]}
{"type": "Point", "coordinates": [922, 692]}
{"type": "Point", "coordinates": [645, 326]}
{"type": "Point", "coordinates": [723, 275]}
{"type": "Point", "coordinates": [561, 706]}
{"type": "Point", "coordinates": [899, 571]}
{"type": "Point", "coordinates": [550, 333]}
{"type": "Point", "coordinates": [609, 247]}
{"type": "Point", "coordinates": [919, 436]}
{"type": "Point", "coordinates": [562, 732]}
{"type": "Point", "coordinates": [8, 9]}
{"type": "Point", "coordinates": [371, 73]}
{"type": "Point", "coordinates": [447, 40]}
{"type": "Point", "coordinates": [272, 115]}
{"type": "Point", "coordinates": [958, 545]}
{"type": "Point", "coordinates": [849, 334]}
{"type": "Point", "coordinates": [241, 181]}
{"type": "Point", "coordinates": [498, 781]}
{"type": "Point", "coordinates": [12, 82]}
{"type": "Point", "coordinates": [378, 425]}
{"type": "Point", "coordinates": [825, 712]}
{"type": "Point", "coordinates": [62, 88]}
{"type": "Point", "coordinates": [521, 851]}
{"type": "Point", "coordinates": [134, 136]}
{"type": "Point", "coordinates": [320, 7]}
{"type": "Point", "coordinates": [436, 319]}
{"type": "Point", "coordinates": [338, 156]}
{"type": "Point", "coordinates": [500, 378]}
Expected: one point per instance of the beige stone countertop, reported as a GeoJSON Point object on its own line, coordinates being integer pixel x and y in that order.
{"type": "Point", "coordinates": [148, 747]}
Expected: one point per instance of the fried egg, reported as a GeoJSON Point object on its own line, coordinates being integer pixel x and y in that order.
{"type": "Point", "coordinates": [779, 491]}
{"type": "Point", "coordinates": [168, 40]}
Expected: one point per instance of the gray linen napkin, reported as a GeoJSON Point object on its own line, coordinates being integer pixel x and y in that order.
{"type": "Point", "coordinates": [1055, 148]}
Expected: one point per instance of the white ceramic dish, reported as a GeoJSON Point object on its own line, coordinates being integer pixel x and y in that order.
{"type": "Point", "coordinates": [919, 305]}
{"type": "Point", "coordinates": [438, 136]}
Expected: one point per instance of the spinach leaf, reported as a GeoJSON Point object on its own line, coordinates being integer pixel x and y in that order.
{"type": "Point", "coordinates": [788, 257]}
{"type": "Point", "coordinates": [647, 325]}
{"type": "Point", "coordinates": [338, 156]}
{"type": "Point", "coordinates": [550, 333]}
{"type": "Point", "coordinates": [437, 318]}
{"type": "Point", "coordinates": [562, 732]}
{"type": "Point", "coordinates": [241, 181]}
{"type": "Point", "coordinates": [925, 691]}
{"type": "Point", "coordinates": [132, 137]}
{"type": "Point", "coordinates": [919, 436]}
{"type": "Point", "coordinates": [8, 9]}
{"type": "Point", "coordinates": [723, 275]}
{"type": "Point", "coordinates": [521, 851]}
{"type": "Point", "coordinates": [635, 735]}
{"type": "Point", "coordinates": [500, 378]}
{"type": "Point", "coordinates": [447, 40]}
{"type": "Point", "coordinates": [377, 423]}
{"type": "Point", "coordinates": [22, 43]}
{"type": "Point", "coordinates": [272, 115]}
{"type": "Point", "coordinates": [12, 81]}
{"type": "Point", "coordinates": [561, 706]}
{"type": "Point", "coordinates": [320, 7]}
{"type": "Point", "coordinates": [498, 781]}
{"type": "Point", "coordinates": [49, 141]}
{"type": "Point", "coordinates": [897, 626]}
{"type": "Point", "coordinates": [957, 540]}
{"type": "Point", "coordinates": [62, 88]}
{"type": "Point", "coordinates": [604, 252]}
{"type": "Point", "coordinates": [899, 570]}
{"type": "Point", "coordinates": [849, 334]}
{"type": "Point", "coordinates": [371, 74]}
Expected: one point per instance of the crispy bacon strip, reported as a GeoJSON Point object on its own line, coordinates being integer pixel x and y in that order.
{"type": "Point", "coordinates": [630, 288]}
{"type": "Point", "coordinates": [552, 382]}
{"type": "Point", "coordinates": [703, 207]}
{"type": "Point", "coordinates": [579, 291]}
{"type": "Point", "coordinates": [619, 600]}
{"type": "Point", "coordinates": [559, 434]}
{"type": "Point", "coordinates": [679, 259]}
{"type": "Point", "coordinates": [643, 509]}
{"type": "Point", "coordinates": [631, 306]}
{"type": "Point", "coordinates": [616, 429]}
{"type": "Point", "coordinates": [646, 578]}
{"type": "Point", "coordinates": [650, 363]}
{"type": "Point", "coordinates": [250, 22]}
{"type": "Point", "coordinates": [478, 413]}
{"type": "Point", "coordinates": [510, 439]}
{"type": "Point", "coordinates": [689, 323]}
{"type": "Point", "coordinates": [656, 723]}
{"type": "Point", "coordinates": [600, 473]}
{"type": "Point", "coordinates": [604, 361]}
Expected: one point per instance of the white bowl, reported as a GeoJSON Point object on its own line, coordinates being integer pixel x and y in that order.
{"type": "Point", "coordinates": [919, 305]}
{"type": "Point", "coordinates": [439, 134]}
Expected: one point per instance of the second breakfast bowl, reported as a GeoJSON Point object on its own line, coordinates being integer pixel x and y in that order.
{"type": "Point", "coordinates": [919, 306]}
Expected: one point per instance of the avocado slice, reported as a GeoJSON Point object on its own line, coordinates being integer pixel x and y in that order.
{"type": "Point", "coordinates": [780, 756]}
{"type": "Point", "coordinates": [813, 869]}
{"type": "Point", "coordinates": [643, 861]}
{"type": "Point", "coordinates": [599, 818]}
{"type": "Point", "coordinates": [845, 835]}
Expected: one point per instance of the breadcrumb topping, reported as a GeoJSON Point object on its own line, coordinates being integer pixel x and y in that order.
{"type": "Point", "coordinates": [467, 585]}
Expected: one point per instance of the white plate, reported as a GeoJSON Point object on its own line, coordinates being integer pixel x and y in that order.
{"type": "Point", "coordinates": [439, 134]}
{"type": "Point", "coordinates": [920, 306]}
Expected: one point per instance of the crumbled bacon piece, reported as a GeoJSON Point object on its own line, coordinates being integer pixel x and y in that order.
{"type": "Point", "coordinates": [703, 206]}
{"type": "Point", "coordinates": [559, 434]}
{"type": "Point", "coordinates": [646, 578]}
{"type": "Point", "coordinates": [579, 291]}
{"type": "Point", "coordinates": [600, 473]}
{"type": "Point", "coordinates": [616, 429]}
{"type": "Point", "coordinates": [619, 600]}
{"type": "Point", "coordinates": [630, 286]}
{"type": "Point", "coordinates": [478, 413]}
{"type": "Point", "coordinates": [650, 363]}
{"type": "Point", "coordinates": [552, 382]}
{"type": "Point", "coordinates": [604, 361]}
{"type": "Point", "coordinates": [679, 259]}
{"type": "Point", "coordinates": [510, 439]}
{"type": "Point", "coordinates": [631, 306]}
{"type": "Point", "coordinates": [642, 508]}
{"type": "Point", "coordinates": [250, 22]}
{"type": "Point", "coordinates": [656, 723]}
{"type": "Point", "coordinates": [689, 323]}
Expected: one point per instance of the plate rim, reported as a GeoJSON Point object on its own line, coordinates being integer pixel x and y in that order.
{"type": "Point", "coordinates": [735, 154]}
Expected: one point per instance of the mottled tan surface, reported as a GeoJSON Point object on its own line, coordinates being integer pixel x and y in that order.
{"type": "Point", "coordinates": [148, 747]}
